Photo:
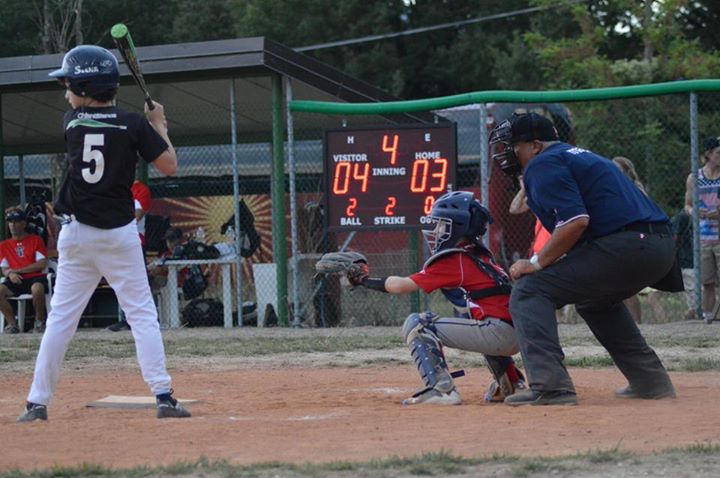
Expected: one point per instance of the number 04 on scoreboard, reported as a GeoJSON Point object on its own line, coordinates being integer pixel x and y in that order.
{"type": "Point", "coordinates": [387, 178]}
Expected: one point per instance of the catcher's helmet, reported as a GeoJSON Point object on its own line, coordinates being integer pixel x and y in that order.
{"type": "Point", "coordinates": [455, 216]}
{"type": "Point", "coordinates": [520, 127]}
{"type": "Point", "coordinates": [91, 70]}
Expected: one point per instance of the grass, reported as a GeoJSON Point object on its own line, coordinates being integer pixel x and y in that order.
{"type": "Point", "coordinates": [25, 349]}
{"type": "Point", "coordinates": [699, 364]}
{"type": "Point", "coordinates": [589, 361]}
{"type": "Point", "coordinates": [440, 464]}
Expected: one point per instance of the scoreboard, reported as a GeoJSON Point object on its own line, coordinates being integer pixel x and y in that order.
{"type": "Point", "coordinates": [389, 177]}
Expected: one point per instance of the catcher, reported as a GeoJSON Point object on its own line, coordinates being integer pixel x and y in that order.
{"type": "Point", "coordinates": [465, 272]}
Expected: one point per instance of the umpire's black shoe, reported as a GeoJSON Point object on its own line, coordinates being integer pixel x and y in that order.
{"type": "Point", "coordinates": [630, 392]}
{"type": "Point", "coordinates": [118, 326]}
{"type": "Point", "coordinates": [531, 397]}
{"type": "Point", "coordinates": [33, 411]}
{"type": "Point", "coordinates": [168, 407]}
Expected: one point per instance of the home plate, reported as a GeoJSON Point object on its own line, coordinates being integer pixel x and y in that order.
{"type": "Point", "coordinates": [124, 401]}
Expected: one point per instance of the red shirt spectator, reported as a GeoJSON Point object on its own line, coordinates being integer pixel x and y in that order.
{"type": "Point", "coordinates": [20, 253]}
{"type": "Point", "coordinates": [143, 201]}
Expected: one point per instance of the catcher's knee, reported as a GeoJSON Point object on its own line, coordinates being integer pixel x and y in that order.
{"type": "Point", "coordinates": [415, 323]}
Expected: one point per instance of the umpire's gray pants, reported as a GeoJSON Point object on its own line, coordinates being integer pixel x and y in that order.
{"type": "Point", "coordinates": [596, 276]}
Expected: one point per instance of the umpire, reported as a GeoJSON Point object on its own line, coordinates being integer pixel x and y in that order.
{"type": "Point", "coordinates": [609, 241]}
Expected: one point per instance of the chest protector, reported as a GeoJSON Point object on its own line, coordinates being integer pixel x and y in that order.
{"type": "Point", "coordinates": [459, 296]}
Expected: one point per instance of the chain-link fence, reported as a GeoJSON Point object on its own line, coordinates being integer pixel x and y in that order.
{"type": "Point", "coordinates": [654, 133]}
{"type": "Point", "coordinates": [199, 204]}
{"type": "Point", "coordinates": [205, 203]}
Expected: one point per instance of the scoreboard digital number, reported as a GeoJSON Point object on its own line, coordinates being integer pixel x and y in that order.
{"type": "Point", "coordinates": [387, 178]}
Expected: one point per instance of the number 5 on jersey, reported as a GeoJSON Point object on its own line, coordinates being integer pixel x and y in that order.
{"type": "Point", "coordinates": [92, 173]}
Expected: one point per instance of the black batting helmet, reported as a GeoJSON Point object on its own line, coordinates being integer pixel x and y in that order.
{"type": "Point", "coordinates": [90, 70]}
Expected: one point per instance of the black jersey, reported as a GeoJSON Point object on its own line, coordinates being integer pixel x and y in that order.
{"type": "Point", "coordinates": [103, 145]}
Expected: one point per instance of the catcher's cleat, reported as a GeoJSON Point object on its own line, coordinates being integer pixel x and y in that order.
{"type": "Point", "coordinates": [171, 408]}
{"type": "Point", "coordinates": [435, 397]}
{"type": "Point", "coordinates": [629, 392]}
{"type": "Point", "coordinates": [496, 394]}
{"type": "Point", "coordinates": [530, 397]}
{"type": "Point", "coordinates": [33, 411]}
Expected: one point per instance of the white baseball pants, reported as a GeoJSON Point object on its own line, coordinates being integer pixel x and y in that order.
{"type": "Point", "coordinates": [86, 254]}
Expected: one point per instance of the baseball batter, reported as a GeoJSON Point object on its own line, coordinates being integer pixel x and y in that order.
{"type": "Point", "coordinates": [465, 272]}
{"type": "Point", "coordinates": [99, 234]}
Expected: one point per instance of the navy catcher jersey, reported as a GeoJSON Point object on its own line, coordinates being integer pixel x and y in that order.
{"type": "Point", "coordinates": [103, 145]}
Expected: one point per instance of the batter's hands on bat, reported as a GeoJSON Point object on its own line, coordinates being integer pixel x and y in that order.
{"type": "Point", "coordinates": [521, 268]}
{"type": "Point", "coordinates": [156, 116]}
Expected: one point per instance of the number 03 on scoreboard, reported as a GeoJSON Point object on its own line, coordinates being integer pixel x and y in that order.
{"type": "Point", "coordinates": [387, 178]}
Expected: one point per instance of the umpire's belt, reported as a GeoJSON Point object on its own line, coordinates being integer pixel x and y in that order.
{"type": "Point", "coordinates": [648, 227]}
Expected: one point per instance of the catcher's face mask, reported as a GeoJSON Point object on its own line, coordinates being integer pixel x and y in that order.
{"type": "Point", "coordinates": [504, 157]}
{"type": "Point", "coordinates": [439, 234]}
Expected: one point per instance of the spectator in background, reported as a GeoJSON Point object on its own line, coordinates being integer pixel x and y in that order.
{"type": "Point", "coordinates": [708, 181]}
{"type": "Point", "coordinates": [22, 258]}
{"type": "Point", "coordinates": [157, 272]}
{"type": "Point", "coordinates": [143, 201]}
{"type": "Point", "coordinates": [628, 169]}
{"type": "Point", "coordinates": [682, 228]}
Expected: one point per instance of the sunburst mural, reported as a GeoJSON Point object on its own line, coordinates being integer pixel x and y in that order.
{"type": "Point", "coordinates": [211, 212]}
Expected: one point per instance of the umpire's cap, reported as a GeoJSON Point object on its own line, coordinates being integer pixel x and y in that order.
{"type": "Point", "coordinates": [15, 215]}
{"type": "Point", "coordinates": [712, 143]}
{"type": "Point", "coordinates": [532, 126]}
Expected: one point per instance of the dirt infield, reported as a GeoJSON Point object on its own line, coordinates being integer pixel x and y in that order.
{"type": "Point", "coordinates": [325, 414]}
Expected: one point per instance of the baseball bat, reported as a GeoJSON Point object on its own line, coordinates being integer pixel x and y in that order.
{"type": "Point", "coordinates": [123, 40]}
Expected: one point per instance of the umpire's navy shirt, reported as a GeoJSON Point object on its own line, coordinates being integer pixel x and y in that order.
{"type": "Point", "coordinates": [565, 182]}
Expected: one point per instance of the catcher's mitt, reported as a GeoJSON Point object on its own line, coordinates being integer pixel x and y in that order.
{"type": "Point", "coordinates": [353, 264]}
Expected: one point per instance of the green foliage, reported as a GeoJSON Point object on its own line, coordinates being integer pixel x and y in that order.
{"type": "Point", "coordinates": [590, 44]}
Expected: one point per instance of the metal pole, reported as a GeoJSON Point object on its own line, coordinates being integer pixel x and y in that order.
{"type": "Point", "coordinates": [320, 283]}
{"type": "Point", "coordinates": [21, 177]}
{"type": "Point", "coordinates": [414, 266]}
{"type": "Point", "coordinates": [236, 203]}
{"type": "Point", "coordinates": [2, 177]}
{"type": "Point", "coordinates": [484, 165]}
{"type": "Point", "coordinates": [694, 167]}
{"type": "Point", "coordinates": [278, 200]}
{"type": "Point", "coordinates": [293, 205]}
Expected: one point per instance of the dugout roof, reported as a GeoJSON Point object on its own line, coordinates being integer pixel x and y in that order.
{"type": "Point", "coordinates": [193, 81]}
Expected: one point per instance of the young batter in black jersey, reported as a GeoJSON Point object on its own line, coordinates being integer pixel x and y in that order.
{"type": "Point", "coordinates": [99, 235]}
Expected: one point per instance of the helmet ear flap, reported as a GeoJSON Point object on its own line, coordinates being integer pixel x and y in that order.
{"type": "Point", "coordinates": [479, 219]}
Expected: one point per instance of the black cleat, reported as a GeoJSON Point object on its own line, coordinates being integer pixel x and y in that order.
{"type": "Point", "coordinates": [171, 408]}
{"type": "Point", "coordinates": [33, 411]}
{"type": "Point", "coordinates": [530, 397]}
{"type": "Point", "coordinates": [631, 393]}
